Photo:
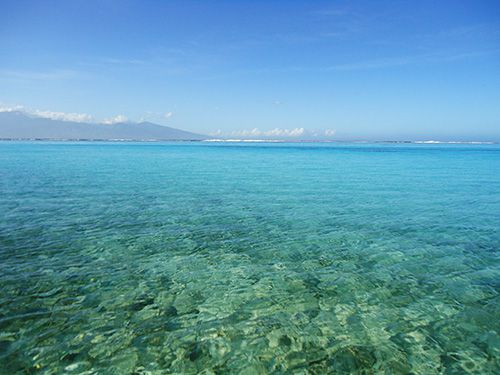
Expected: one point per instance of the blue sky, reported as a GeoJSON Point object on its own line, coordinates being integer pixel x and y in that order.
{"type": "Point", "coordinates": [356, 69]}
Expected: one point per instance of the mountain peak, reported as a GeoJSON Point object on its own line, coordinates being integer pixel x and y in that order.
{"type": "Point", "coordinates": [19, 125]}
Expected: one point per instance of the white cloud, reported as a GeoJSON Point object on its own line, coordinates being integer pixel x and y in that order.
{"type": "Point", "coordinates": [115, 120]}
{"type": "Point", "coordinates": [256, 133]}
{"type": "Point", "coordinates": [217, 133]}
{"type": "Point", "coordinates": [168, 115]}
{"type": "Point", "coordinates": [330, 132]}
{"type": "Point", "coordinates": [247, 133]}
{"type": "Point", "coordinates": [63, 116]}
{"type": "Point", "coordinates": [15, 108]}
{"type": "Point", "coordinates": [277, 132]}
{"type": "Point", "coordinates": [285, 132]}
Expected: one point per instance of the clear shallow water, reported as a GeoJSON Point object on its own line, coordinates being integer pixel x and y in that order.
{"type": "Point", "coordinates": [286, 258]}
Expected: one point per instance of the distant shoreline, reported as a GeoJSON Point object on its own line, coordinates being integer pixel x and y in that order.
{"type": "Point", "coordinates": [426, 142]}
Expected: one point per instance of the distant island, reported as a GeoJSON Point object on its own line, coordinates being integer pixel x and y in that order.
{"type": "Point", "coordinates": [19, 125]}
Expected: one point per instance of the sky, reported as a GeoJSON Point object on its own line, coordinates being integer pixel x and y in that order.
{"type": "Point", "coordinates": [335, 69]}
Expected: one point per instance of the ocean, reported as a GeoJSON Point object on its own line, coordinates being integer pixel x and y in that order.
{"type": "Point", "coordinates": [214, 258]}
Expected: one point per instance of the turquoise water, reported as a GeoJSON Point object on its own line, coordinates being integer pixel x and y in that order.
{"type": "Point", "coordinates": [121, 258]}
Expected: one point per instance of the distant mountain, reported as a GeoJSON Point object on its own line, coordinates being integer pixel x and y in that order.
{"type": "Point", "coordinates": [19, 125]}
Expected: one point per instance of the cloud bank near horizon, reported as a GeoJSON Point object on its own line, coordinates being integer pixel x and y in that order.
{"type": "Point", "coordinates": [53, 115]}
{"type": "Point", "coordinates": [276, 133]}
{"type": "Point", "coordinates": [63, 116]}
{"type": "Point", "coordinates": [115, 120]}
